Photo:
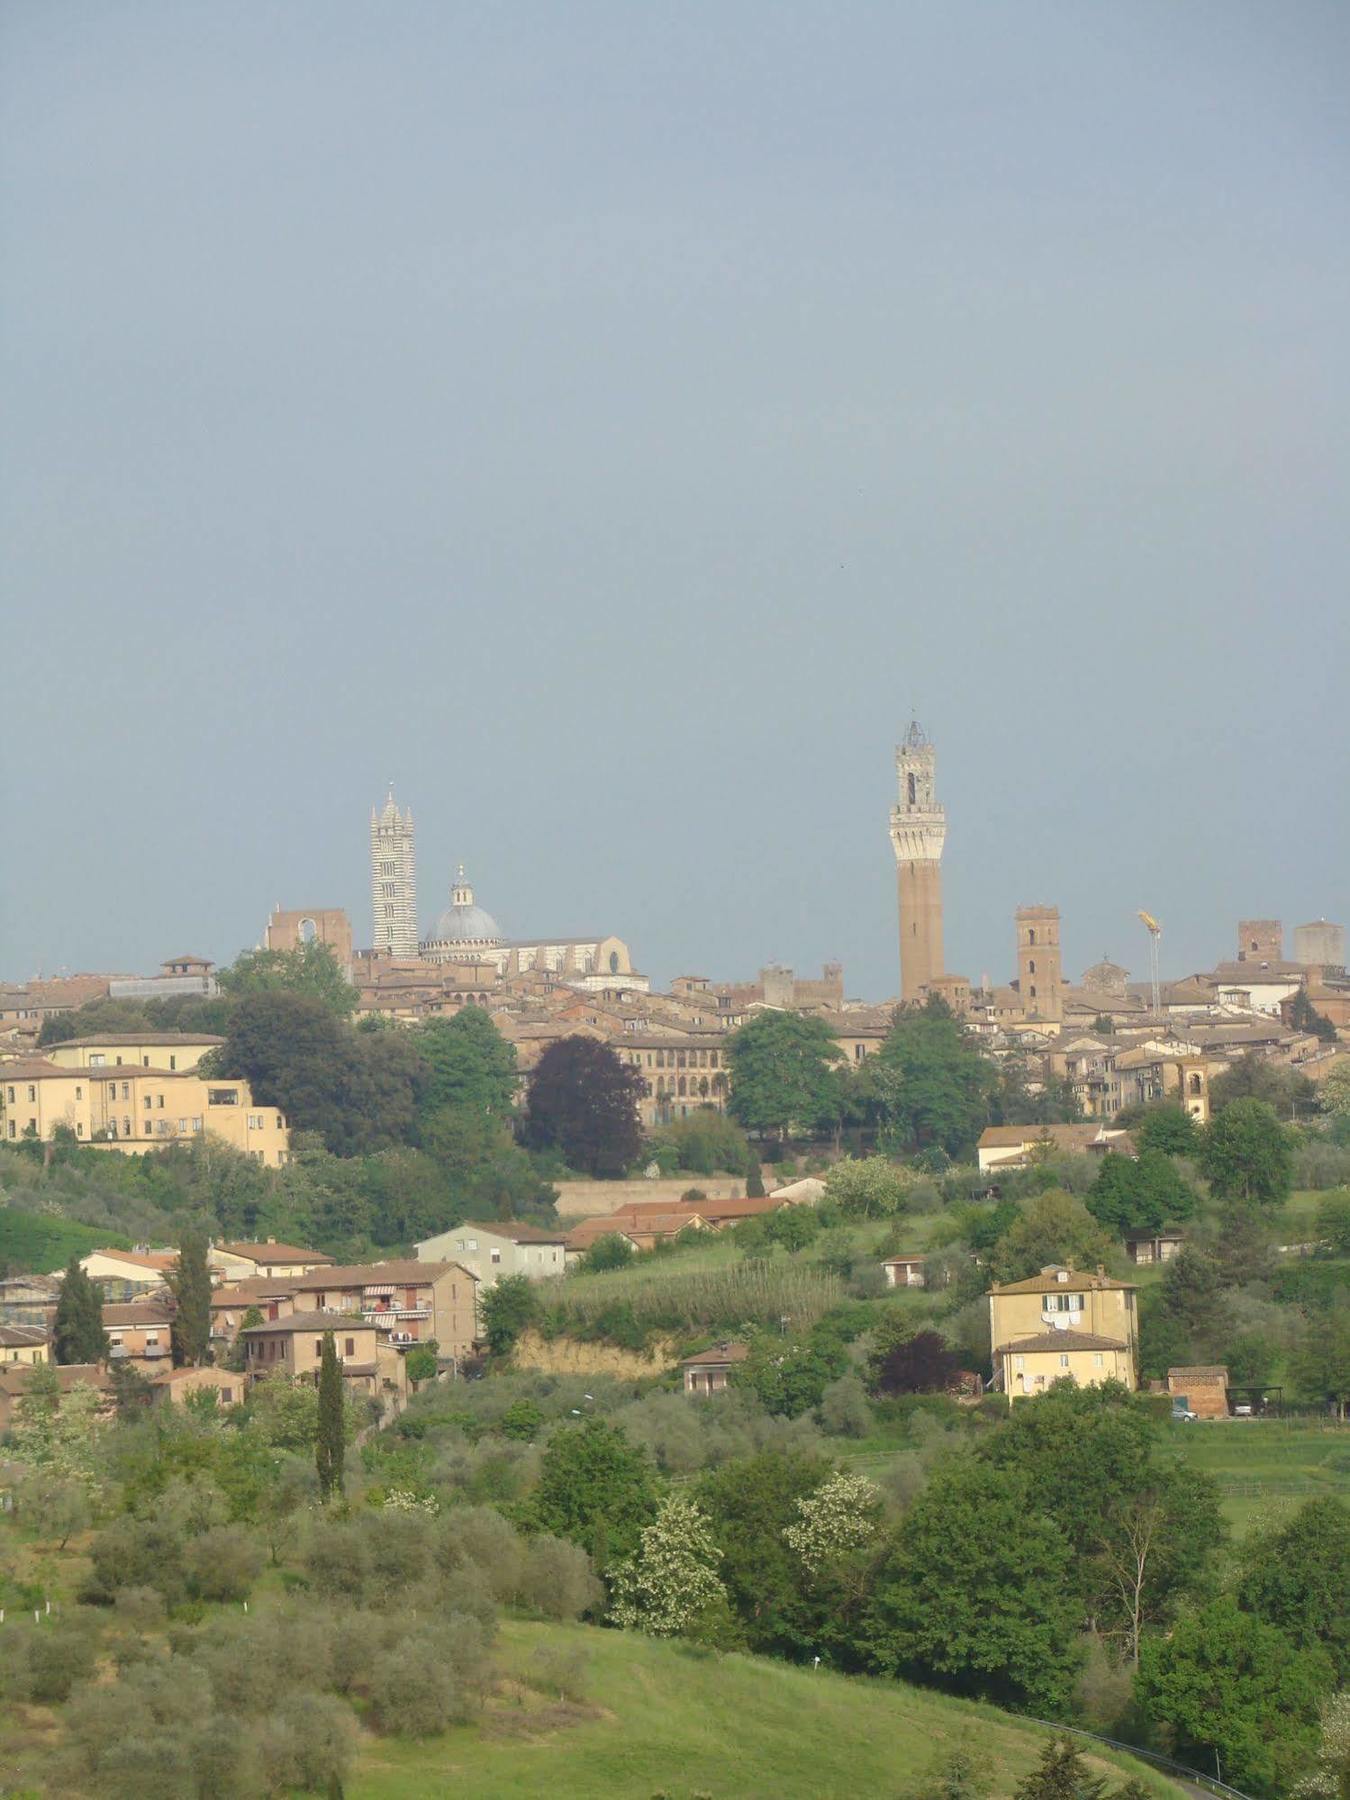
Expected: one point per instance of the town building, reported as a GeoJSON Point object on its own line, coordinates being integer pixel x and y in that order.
{"type": "Point", "coordinates": [230, 1263]}
{"type": "Point", "coordinates": [176, 1051]}
{"type": "Point", "coordinates": [140, 1333]}
{"type": "Point", "coordinates": [174, 1385]}
{"type": "Point", "coordinates": [128, 1274]}
{"type": "Point", "coordinates": [287, 931]}
{"type": "Point", "coordinates": [1201, 1389]}
{"type": "Point", "coordinates": [183, 974]}
{"type": "Point", "coordinates": [23, 1344]}
{"type": "Point", "coordinates": [417, 1300]}
{"type": "Point", "coordinates": [372, 1367]}
{"type": "Point", "coordinates": [1015, 1146]}
{"type": "Point", "coordinates": [131, 1108]}
{"type": "Point", "coordinates": [505, 1247]}
{"type": "Point", "coordinates": [15, 1379]}
{"type": "Point", "coordinates": [1063, 1325]}
{"type": "Point", "coordinates": [709, 1371]}
{"type": "Point", "coordinates": [918, 835]}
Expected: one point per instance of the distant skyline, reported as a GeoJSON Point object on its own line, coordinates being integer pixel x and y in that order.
{"type": "Point", "coordinates": [613, 423]}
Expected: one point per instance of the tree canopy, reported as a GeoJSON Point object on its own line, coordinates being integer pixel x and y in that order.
{"type": "Point", "coordinates": [1248, 1155]}
{"type": "Point", "coordinates": [930, 1084]}
{"type": "Point", "coordinates": [583, 1101]}
{"type": "Point", "coordinates": [783, 1074]}
{"type": "Point", "coordinates": [77, 1332]}
{"type": "Point", "coordinates": [310, 969]}
{"type": "Point", "coordinates": [1141, 1193]}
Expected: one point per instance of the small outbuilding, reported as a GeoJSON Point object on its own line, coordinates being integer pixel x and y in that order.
{"type": "Point", "coordinates": [708, 1371]}
{"type": "Point", "coordinates": [1202, 1388]}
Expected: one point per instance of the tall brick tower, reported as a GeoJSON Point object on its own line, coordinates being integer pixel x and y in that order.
{"type": "Point", "coordinates": [393, 879]}
{"type": "Point", "coordinates": [918, 833]}
{"type": "Point", "coordinates": [1040, 980]}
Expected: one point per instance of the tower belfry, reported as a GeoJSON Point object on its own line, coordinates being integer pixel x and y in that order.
{"type": "Point", "coordinates": [393, 879]}
{"type": "Point", "coordinates": [918, 834]}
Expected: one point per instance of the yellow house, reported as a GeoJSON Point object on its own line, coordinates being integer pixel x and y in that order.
{"type": "Point", "coordinates": [23, 1344]}
{"type": "Point", "coordinates": [176, 1051]}
{"type": "Point", "coordinates": [272, 1261]}
{"type": "Point", "coordinates": [1062, 1325]}
{"type": "Point", "coordinates": [130, 1108]}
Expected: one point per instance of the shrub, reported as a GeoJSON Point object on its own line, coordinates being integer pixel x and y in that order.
{"type": "Point", "coordinates": [223, 1563]}
{"type": "Point", "coordinates": [136, 1553]}
{"type": "Point", "coordinates": [558, 1580]}
{"type": "Point", "coordinates": [45, 1663]}
{"type": "Point", "coordinates": [482, 1539]}
{"type": "Point", "coordinates": [308, 1742]}
{"type": "Point", "coordinates": [561, 1671]}
{"type": "Point", "coordinates": [843, 1410]}
{"type": "Point", "coordinates": [412, 1692]}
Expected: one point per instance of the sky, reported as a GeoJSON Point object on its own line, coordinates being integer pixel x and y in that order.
{"type": "Point", "coordinates": [613, 422]}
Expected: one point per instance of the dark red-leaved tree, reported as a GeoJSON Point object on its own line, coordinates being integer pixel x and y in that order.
{"type": "Point", "coordinates": [584, 1102]}
{"type": "Point", "coordinates": [923, 1364]}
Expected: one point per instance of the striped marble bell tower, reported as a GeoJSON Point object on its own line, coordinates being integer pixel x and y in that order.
{"type": "Point", "coordinates": [393, 879]}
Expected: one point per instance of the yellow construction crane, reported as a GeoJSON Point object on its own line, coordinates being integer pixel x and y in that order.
{"type": "Point", "coordinates": [1154, 933]}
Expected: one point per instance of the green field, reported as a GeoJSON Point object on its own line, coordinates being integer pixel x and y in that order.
{"type": "Point", "coordinates": [1266, 1467]}
{"type": "Point", "coordinates": [37, 1243]}
{"type": "Point", "coordinates": [667, 1719]}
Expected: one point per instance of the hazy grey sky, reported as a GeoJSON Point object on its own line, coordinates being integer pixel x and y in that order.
{"type": "Point", "coordinates": [611, 420]}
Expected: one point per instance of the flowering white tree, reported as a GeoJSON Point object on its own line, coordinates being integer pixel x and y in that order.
{"type": "Point", "coordinates": [673, 1576]}
{"type": "Point", "coordinates": [840, 1516]}
{"type": "Point", "coordinates": [1331, 1778]}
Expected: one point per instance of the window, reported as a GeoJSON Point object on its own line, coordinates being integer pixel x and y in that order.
{"type": "Point", "coordinates": [1019, 1362]}
{"type": "Point", "coordinates": [97, 1059]}
{"type": "Point", "coordinates": [351, 1346]}
{"type": "Point", "coordinates": [387, 889]}
{"type": "Point", "coordinates": [32, 1091]}
{"type": "Point", "coordinates": [126, 1088]}
{"type": "Point", "coordinates": [159, 1101]}
{"type": "Point", "coordinates": [145, 1062]}
{"type": "Point", "coordinates": [222, 1096]}
{"type": "Point", "coordinates": [145, 1101]}
{"type": "Point", "coordinates": [173, 1062]}
{"type": "Point", "coordinates": [79, 1128]}
{"type": "Point", "coordinates": [1031, 935]}
{"type": "Point", "coordinates": [1063, 1359]}
{"type": "Point", "coordinates": [386, 868]}
{"type": "Point", "coordinates": [148, 1128]}
{"type": "Point", "coordinates": [1098, 1361]}
{"type": "Point", "coordinates": [126, 1128]}
{"type": "Point", "coordinates": [496, 1256]}
{"type": "Point", "coordinates": [182, 1125]}
{"type": "Point", "coordinates": [227, 1396]}
{"type": "Point", "coordinates": [79, 1091]}
{"type": "Point", "coordinates": [1033, 990]}
{"type": "Point", "coordinates": [912, 789]}
{"type": "Point", "coordinates": [318, 1346]}
{"type": "Point", "coordinates": [1031, 966]}
{"type": "Point", "coordinates": [11, 1096]}
{"type": "Point", "coordinates": [388, 911]}
{"type": "Point", "coordinates": [13, 1131]}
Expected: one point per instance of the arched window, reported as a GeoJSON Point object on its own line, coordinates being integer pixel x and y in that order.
{"type": "Point", "coordinates": [684, 1085]}
{"type": "Point", "coordinates": [308, 931]}
{"type": "Point", "coordinates": [1031, 935]}
{"type": "Point", "coordinates": [1033, 991]}
{"type": "Point", "coordinates": [912, 789]}
{"type": "Point", "coordinates": [613, 962]}
{"type": "Point", "coordinates": [1031, 967]}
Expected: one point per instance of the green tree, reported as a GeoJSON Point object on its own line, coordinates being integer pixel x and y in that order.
{"type": "Point", "coordinates": [1296, 1576]}
{"type": "Point", "coordinates": [1334, 1091]}
{"type": "Point", "coordinates": [310, 969]}
{"type": "Point", "coordinates": [422, 1362]}
{"type": "Point", "coordinates": [583, 1101]}
{"type": "Point", "coordinates": [1052, 1227]}
{"type": "Point", "coordinates": [1184, 1319]}
{"type": "Point", "coordinates": [789, 1376]}
{"type": "Point", "coordinates": [189, 1282]}
{"type": "Point", "coordinates": [1302, 1015]}
{"type": "Point", "coordinates": [754, 1174]}
{"type": "Point", "coordinates": [1333, 1221]}
{"type": "Point", "coordinates": [1167, 1127]}
{"type": "Point", "coordinates": [330, 1435]}
{"type": "Point", "coordinates": [469, 1064]}
{"type": "Point", "coordinates": [1225, 1681]}
{"type": "Point", "coordinates": [1256, 1077]}
{"type": "Point", "coordinates": [1061, 1774]}
{"type": "Point", "coordinates": [611, 1251]}
{"type": "Point", "coordinates": [1139, 1194]}
{"type": "Point", "coordinates": [1320, 1363]}
{"type": "Point", "coordinates": [596, 1488]}
{"type": "Point", "coordinates": [929, 1083]}
{"type": "Point", "coordinates": [751, 1504]}
{"type": "Point", "coordinates": [783, 1074]}
{"type": "Point", "coordinates": [77, 1331]}
{"type": "Point", "coordinates": [869, 1187]}
{"type": "Point", "coordinates": [508, 1308]}
{"type": "Point", "coordinates": [671, 1581]}
{"type": "Point", "coordinates": [1247, 1155]}
{"type": "Point", "coordinates": [978, 1592]}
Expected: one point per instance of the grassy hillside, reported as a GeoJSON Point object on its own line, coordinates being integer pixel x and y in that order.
{"type": "Point", "coordinates": [660, 1718]}
{"type": "Point", "coordinates": [35, 1243]}
{"type": "Point", "coordinates": [1267, 1467]}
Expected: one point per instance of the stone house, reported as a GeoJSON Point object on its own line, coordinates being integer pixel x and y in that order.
{"type": "Point", "coordinates": [1062, 1324]}
{"type": "Point", "coordinates": [1015, 1146]}
{"type": "Point", "coordinates": [244, 1262]}
{"type": "Point", "coordinates": [23, 1344]}
{"type": "Point", "coordinates": [1145, 1247]}
{"type": "Point", "coordinates": [416, 1300]}
{"type": "Point", "coordinates": [709, 1371]}
{"type": "Point", "coordinates": [905, 1271]}
{"type": "Point", "coordinates": [489, 1251]}
{"type": "Point", "coordinates": [139, 1333]}
{"type": "Point", "coordinates": [293, 1346]}
{"type": "Point", "coordinates": [230, 1305]}
{"type": "Point", "coordinates": [14, 1384]}
{"type": "Point", "coordinates": [174, 1385]}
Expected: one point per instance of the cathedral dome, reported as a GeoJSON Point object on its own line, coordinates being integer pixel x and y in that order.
{"type": "Point", "coordinates": [463, 929]}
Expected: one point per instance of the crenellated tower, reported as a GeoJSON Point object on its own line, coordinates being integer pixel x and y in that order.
{"type": "Point", "coordinates": [918, 834]}
{"type": "Point", "coordinates": [393, 879]}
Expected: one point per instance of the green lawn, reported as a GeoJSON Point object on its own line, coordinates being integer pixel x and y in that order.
{"type": "Point", "coordinates": [1266, 1467]}
{"type": "Point", "coordinates": [659, 1718]}
{"type": "Point", "coordinates": [35, 1243]}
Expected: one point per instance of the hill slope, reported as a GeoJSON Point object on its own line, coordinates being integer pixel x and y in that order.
{"type": "Point", "coordinates": [662, 1718]}
{"type": "Point", "coordinates": [39, 1243]}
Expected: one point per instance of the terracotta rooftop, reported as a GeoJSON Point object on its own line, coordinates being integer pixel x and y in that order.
{"type": "Point", "coordinates": [1049, 1282]}
{"type": "Point", "coordinates": [510, 1228]}
{"type": "Point", "coordinates": [272, 1251]}
{"type": "Point", "coordinates": [317, 1321]}
{"type": "Point", "coordinates": [718, 1357]}
{"type": "Point", "coordinates": [169, 1039]}
{"type": "Point", "coordinates": [1200, 1371]}
{"type": "Point", "coordinates": [136, 1312]}
{"type": "Point", "coordinates": [402, 1271]}
{"type": "Point", "coordinates": [1061, 1340]}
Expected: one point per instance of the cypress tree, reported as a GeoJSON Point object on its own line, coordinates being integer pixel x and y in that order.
{"type": "Point", "coordinates": [754, 1176]}
{"type": "Point", "coordinates": [329, 1449]}
{"type": "Point", "coordinates": [77, 1333]}
{"type": "Point", "coordinates": [190, 1284]}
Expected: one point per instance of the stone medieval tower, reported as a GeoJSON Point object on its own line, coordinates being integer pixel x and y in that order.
{"type": "Point", "coordinates": [1040, 980]}
{"type": "Point", "coordinates": [918, 833]}
{"type": "Point", "coordinates": [393, 880]}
